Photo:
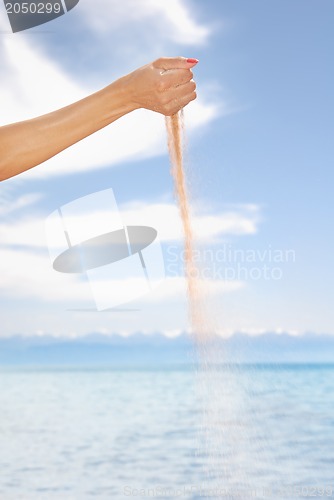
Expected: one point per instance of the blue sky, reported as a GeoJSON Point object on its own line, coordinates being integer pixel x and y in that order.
{"type": "Point", "coordinates": [259, 158]}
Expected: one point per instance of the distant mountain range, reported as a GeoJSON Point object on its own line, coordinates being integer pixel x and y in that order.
{"type": "Point", "coordinates": [153, 350]}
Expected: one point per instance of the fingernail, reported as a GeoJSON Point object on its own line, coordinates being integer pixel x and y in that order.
{"type": "Point", "coordinates": [192, 61]}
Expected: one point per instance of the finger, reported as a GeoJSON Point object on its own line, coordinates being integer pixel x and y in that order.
{"type": "Point", "coordinates": [166, 63]}
{"type": "Point", "coordinates": [176, 77]}
{"type": "Point", "coordinates": [181, 97]}
{"type": "Point", "coordinates": [182, 90]}
{"type": "Point", "coordinates": [178, 104]}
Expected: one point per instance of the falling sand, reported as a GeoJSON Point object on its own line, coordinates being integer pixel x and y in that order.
{"type": "Point", "coordinates": [175, 132]}
{"type": "Point", "coordinates": [222, 431]}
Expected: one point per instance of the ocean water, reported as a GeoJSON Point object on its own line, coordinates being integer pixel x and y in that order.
{"type": "Point", "coordinates": [245, 432]}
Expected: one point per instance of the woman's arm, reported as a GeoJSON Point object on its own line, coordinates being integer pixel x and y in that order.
{"type": "Point", "coordinates": [164, 86]}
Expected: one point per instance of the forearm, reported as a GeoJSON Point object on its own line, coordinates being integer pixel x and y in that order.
{"type": "Point", "coordinates": [25, 144]}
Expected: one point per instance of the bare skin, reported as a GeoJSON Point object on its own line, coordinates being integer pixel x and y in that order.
{"type": "Point", "coordinates": [165, 86]}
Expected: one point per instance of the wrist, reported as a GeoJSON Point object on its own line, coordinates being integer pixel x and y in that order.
{"type": "Point", "coordinates": [119, 99]}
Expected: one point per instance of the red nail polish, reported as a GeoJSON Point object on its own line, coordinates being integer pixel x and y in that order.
{"type": "Point", "coordinates": [192, 61]}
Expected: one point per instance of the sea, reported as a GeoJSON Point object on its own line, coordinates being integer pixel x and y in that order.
{"type": "Point", "coordinates": [248, 431]}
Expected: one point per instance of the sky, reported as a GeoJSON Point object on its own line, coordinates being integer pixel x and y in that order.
{"type": "Point", "coordinates": [259, 163]}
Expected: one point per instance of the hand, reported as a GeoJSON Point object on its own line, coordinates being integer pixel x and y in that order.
{"type": "Point", "coordinates": [165, 85]}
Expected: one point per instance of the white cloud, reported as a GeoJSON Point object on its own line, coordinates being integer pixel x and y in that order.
{"type": "Point", "coordinates": [184, 29]}
{"type": "Point", "coordinates": [8, 205]}
{"type": "Point", "coordinates": [32, 84]}
{"type": "Point", "coordinates": [28, 231]}
{"type": "Point", "coordinates": [241, 220]}
{"type": "Point", "coordinates": [172, 20]}
{"type": "Point", "coordinates": [26, 274]}
{"type": "Point", "coordinates": [64, 301]}
{"type": "Point", "coordinates": [164, 217]}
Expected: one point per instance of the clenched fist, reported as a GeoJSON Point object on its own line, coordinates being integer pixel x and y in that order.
{"type": "Point", "coordinates": [165, 85]}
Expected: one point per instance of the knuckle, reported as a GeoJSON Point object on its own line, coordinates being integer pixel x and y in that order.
{"type": "Point", "coordinates": [157, 63]}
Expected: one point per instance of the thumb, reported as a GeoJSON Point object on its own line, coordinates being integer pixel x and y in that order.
{"type": "Point", "coordinates": [166, 63]}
